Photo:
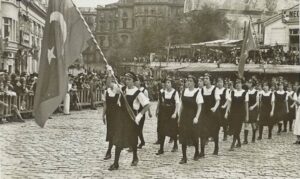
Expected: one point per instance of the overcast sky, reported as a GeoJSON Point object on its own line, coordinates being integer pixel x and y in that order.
{"type": "Point", "coordinates": [92, 3]}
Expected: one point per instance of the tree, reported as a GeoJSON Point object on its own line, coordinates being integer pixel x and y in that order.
{"type": "Point", "coordinates": [206, 24]}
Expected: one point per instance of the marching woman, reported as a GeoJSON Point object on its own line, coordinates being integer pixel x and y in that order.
{"type": "Point", "coordinates": [190, 108]}
{"type": "Point", "coordinates": [209, 119]}
{"type": "Point", "coordinates": [281, 106]}
{"type": "Point", "coordinates": [140, 84]}
{"type": "Point", "coordinates": [253, 111]}
{"type": "Point", "coordinates": [237, 112]}
{"type": "Point", "coordinates": [160, 93]}
{"type": "Point", "coordinates": [167, 114]}
{"type": "Point", "coordinates": [126, 129]}
{"type": "Point", "coordinates": [223, 92]}
{"type": "Point", "coordinates": [292, 109]}
{"type": "Point", "coordinates": [266, 111]}
{"type": "Point", "coordinates": [296, 99]}
{"type": "Point", "coordinates": [110, 112]}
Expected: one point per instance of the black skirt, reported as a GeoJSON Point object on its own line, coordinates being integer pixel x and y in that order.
{"type": "Point", "coordinates": [168, 125]}
{"type": "Point", "coordinates": [126, 131]}
{"type": "Point", "coordinates": [253, 115]}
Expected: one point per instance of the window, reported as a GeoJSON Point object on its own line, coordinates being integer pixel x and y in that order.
{"type": "Point", "coordinates": [10, 29]}
{"type": "Point", "coordinates": [124, 23]}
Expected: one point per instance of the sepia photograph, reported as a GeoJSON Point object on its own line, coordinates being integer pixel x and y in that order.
{"type": "Point", "coordinates": [149, 89]}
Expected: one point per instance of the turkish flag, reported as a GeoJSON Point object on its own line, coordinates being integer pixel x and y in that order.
{"type": "Point", "coordinates": [249, 43]}
{"type": "Point", "coordinates": [66, 36]}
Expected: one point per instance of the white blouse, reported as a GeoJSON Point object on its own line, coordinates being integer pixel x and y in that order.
{"type": "Point", "coordinates": [188, 93]}
{"type": "Point", "coordinates": [145, 91]}
{"type": "Point", "coordinates": [168, 95]}
{"type": "Point", "coordinates": [238, 94]}
{"type": "Point", "coordinates": [110, 92]}
{"type": "Point", "coordinates": [207, 91]}
{"type": "Point", "coordinates": [141, 99]}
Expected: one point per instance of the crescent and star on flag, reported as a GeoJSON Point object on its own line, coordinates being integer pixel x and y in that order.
{"type": "Point", "coordinates": [57, 16]}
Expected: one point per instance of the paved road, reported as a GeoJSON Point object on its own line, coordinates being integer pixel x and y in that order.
{"type": "Point", "coordinates": [74, 146]}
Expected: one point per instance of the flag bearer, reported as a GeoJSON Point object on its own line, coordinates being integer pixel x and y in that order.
{"type": "Point", "coordinates": [126, 128]}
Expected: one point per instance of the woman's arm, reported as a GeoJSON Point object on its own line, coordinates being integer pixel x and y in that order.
{"type": "Point", "coordinates": [104, 112]}
{"type": "Point", "coordinates": [247, 111]}
{"type": "Point", "coordinates": [196, 119]}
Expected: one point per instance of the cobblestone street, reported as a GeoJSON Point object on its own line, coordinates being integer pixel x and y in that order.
{"type": "Point", "coordinates": [74, 146]}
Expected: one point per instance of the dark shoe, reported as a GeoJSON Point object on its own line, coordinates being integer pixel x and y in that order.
{"type": "Point", "coordinates": [175, 149]}
{"type": "Point", "coordinates": [259, 138]}
{"type": "Point", "coordinates": [107, 156]}
{"type": "Point", "coordinates": [1, 122]}
{"type": "Point", "coordinates": [231, 149]}
{"type": "Point", "coordinates": [113, 167]}
{"type": "Point", "coordinates": [201, 155]}
{"type": "Point", "coordinates": [297, 143]}
{"type": "Point", "coordinates": [253, 141]}
{"type": "Point", "coordinates": [270, 137]}
{"type": "Point", "coordinates": [159, 152]}
{"type": "Point", "coordinates": [238, 146]}
{"type": "Point", "coordinates": [245, 142]}
{"type": "Point", "coordinates": [134, 162]}
{"type": "Point", "coordinates": [183, 161]}
{"type": "Point", "coordinates": [196, 156]}
{"type": "Point", "coordinates": [141, 145]}
{"type": "Point", "coordinates": [284, 130]}
{"type": "Point", "coordinates": [156, 143]}
{"type": "Point", "coordinates": [216, 152]}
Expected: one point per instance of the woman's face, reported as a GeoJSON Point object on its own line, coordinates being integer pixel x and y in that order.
{"type": "Point", "coordinates": [129, 82]}
{"type": "Point", "coordinates": [138, 83]}
{"type": "Point", "coordinates": [190, 83]}
{"type": "Point", "coordinates": [206, 80]}
{"type": "Point", "coordinates": [168, 84]}
{"type": "Point", "coordinates": [266, 87]}
{"type": "Point", "coordinates": [280, 87]}
{"type": "Point", "coordinates": [220, 84]}
{"type": "Point", "coordinates": [238, 86]}
{"type": "Point", "coordinates": [200, 83]}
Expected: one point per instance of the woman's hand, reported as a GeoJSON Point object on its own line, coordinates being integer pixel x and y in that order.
{"type": "Point", "coordinates": [195, 121]}
{"type": "Point", "coordinates": [173, 116]}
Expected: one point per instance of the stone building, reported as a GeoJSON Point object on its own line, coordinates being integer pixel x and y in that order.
{"type": "Point", "coordinates": [116, 22]}
{"type": "Point", "coordinates": [22, 32]}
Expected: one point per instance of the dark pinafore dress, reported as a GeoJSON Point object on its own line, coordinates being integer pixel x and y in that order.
{"type": "Point", "coordinates": [237, 114]}
{"type": "Point", "coordinates": [112, 113]}
{"type": "Point", "coordinates": [292, 111]}
{"type": "Point", "coordinates": [169, 126]}
{"type": "Point", "coordinates": [253, 115]}
{"type": "Point", "coordinates": [280, 111]}
{"type": "Point", "coordinates": [265, 110]}
{"type": "Point", "coordinates": [223, 120]}
{"type": "Point", "coordinates": [187, 130]}
{"type": "Point", "coordinates": [209, 122]}
{"type": "Point", "coordinates": [127, 130]}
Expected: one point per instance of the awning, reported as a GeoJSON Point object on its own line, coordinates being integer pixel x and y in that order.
{"type": "Point", "coordinates": [252, 68]}
{"type": "Point", "coordinates": [219, 43]}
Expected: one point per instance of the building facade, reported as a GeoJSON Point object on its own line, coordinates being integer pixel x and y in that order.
{"type": "Point", "coordinates": [22, 32]}
{"type": "Point", "coordinates": [116, 22]}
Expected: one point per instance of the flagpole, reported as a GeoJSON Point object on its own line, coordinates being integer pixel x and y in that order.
{"type": "Point", "coordinates": [130, 111]}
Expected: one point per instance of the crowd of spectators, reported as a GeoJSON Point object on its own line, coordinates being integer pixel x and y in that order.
{"type": "Point", "coordinates": [273, 55]}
